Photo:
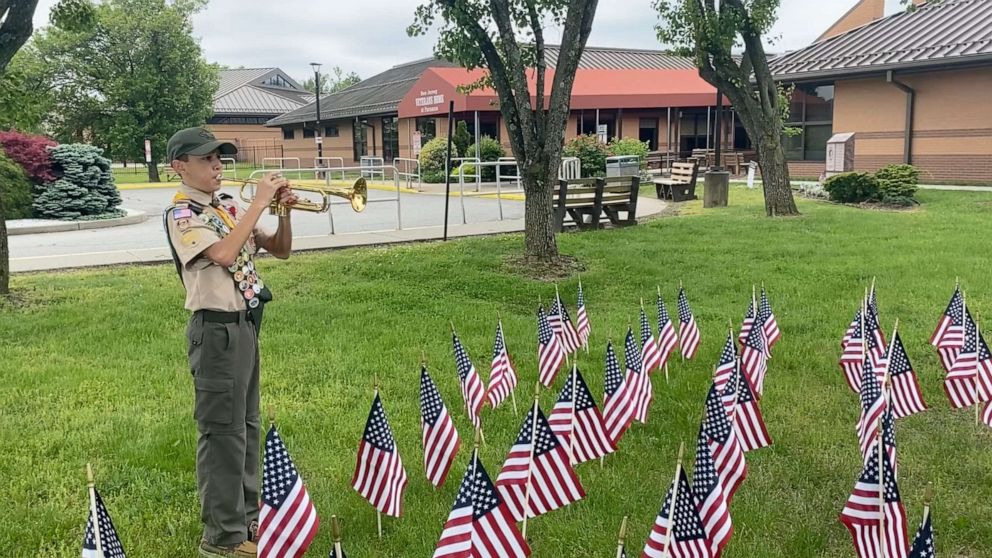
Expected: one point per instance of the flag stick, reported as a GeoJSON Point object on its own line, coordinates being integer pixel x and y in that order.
{"type": "Point", "coordinates": [336, 533]}
{"type": "Point", "coordinates": [881, 491]}
{"type": "Point", "coordinates": [571, 426]}
{"type": "Point", "coordinates": [864, 334]}
{"type": "Point", "coordinates": [530, 461]}
{"type": "Point", "coordinates": [680, 348]}
{"type": "Point", "coordinates": [978, 406]}
{"type": "Point", "coordinates": [378, 522]}
{"type": "Point", "coordinates": [671, 507]}
{"type": "Point", "coordinates": [91, 487]}
{"type": "Point", "coordinates": [623, 534]}
{"type": "Point", "coordinates": [926, 501]}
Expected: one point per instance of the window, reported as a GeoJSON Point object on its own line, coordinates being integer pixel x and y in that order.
{"type": "Point", "coordinates": [427, 128]}
{"type": "Point", "coordinates": [648, 132]}
{"type": "Point", "coordinates": [308, 132]}
{"type": "Point", "coordinates": [278, 81]}
{"type": "Point", "coordinates": [812, 112]}
{"type": "Point", "coordinates": [330, 131]}
{"type": "Point", "coordinates": [288, 133]}
{"type": "Point", "coordinates": [390, 139]}
{"type": "Point", "coordinates": [359, 139]}
{"type": "Point", "coordinates": [587, 123]}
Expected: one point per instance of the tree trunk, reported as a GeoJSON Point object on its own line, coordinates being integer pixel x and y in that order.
{"type": "Point", "coordinates": [4, 253]}
{"type": "Point", "coordinates": [539, 232]}
{"type": "Point", "coordinates": [775, 178]}
{"type": "Point", "coordinates": [153, 173]}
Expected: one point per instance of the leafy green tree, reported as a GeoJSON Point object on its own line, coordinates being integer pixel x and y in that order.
{"type": "Point", "coordinates": [332, 83]}
{"type": "Point", "coordinates": [135, 73]}
{"type": "Point", "coordinates": [711, 32]}
{"type": "Point", "coordinates": [506, 37]}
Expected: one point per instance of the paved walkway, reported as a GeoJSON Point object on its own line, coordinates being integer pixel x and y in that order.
{"type": "Point", "coordinates": [422, 218]}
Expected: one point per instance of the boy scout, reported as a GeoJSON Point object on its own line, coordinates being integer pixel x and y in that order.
{"type": "Point", "coordinates": [214, 242]}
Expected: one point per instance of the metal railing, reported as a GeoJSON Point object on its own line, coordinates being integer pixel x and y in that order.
{"type": "Point", "coordinates": [381, 169]}
{"type": "Point", "coordinates": [476, 174]}
{"type": "Point", "coordinates": [570, 169]}
{"type": "Point", "coordinates": [368, 165]}
{"type": "Point", "coordinates": [234, 164]}
{"type": "Point", "coordinates": [410, 172]}
{"type": "Point", "coordinates": [282, 166]}
{"type": "Point", "coordinates": [324, 162]}
{"type": "Point", "coordinates": [499, 186]}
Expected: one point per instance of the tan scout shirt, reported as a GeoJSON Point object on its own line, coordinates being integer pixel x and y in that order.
{"type": "Point", "coordinates": [209, 286]}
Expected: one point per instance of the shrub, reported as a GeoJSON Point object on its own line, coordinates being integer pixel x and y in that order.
{"type": "Point", "coordinates": [489, 150]}
{"type": "Point", "coordinates": [852, 187]}
{"type": "Point", "coordinates": [461, 140]}
{"type": "Point", "coordinates": [897, 184]}
{"type": "Point", "coordinates": [432, 157]}
{"type": "Point", "coordinates": [590, 152]}
{"type": "Point", "coordinates": [31, 153]}
{"type": "Point", "coordinates": [629, 146]}
{"type": "Point", "coordinates": [85, 186]}
{"type": "Point", "coordinates": [15, 189]}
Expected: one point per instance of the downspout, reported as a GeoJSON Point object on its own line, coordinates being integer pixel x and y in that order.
{"type": "Point", "coordinates": [910, 102]}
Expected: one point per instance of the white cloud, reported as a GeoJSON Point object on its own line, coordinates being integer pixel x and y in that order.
{"type": "Point", "coordinates": [370, 36]}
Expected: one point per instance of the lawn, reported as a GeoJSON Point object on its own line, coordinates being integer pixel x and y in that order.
{"type": "Point", "coordinates": [93, 369]}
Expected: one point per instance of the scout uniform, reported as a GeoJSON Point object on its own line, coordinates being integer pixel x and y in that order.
{"type": "Point", "coordinates": [222, 337]}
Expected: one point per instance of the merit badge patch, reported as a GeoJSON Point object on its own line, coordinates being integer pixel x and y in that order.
{"type": "Point", "coordinates": [182, 213]}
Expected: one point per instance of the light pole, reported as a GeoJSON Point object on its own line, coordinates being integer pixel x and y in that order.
{"type": "Point", "coordinates": [319, 135]}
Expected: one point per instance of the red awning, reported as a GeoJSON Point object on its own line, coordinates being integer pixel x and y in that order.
{"type": "Point", "coordinates": [593, 89]}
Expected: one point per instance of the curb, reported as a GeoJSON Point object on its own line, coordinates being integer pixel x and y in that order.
{"type": "Point", "coordinates": [133, 217]}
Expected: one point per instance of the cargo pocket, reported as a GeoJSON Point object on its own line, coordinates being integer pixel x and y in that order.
{"type": "Point", "coordinates": [214, 401]}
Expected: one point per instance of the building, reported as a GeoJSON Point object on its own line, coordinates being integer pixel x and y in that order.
{"type": "Point", "coordinates": [914, 87]}
{"type": "Point", "coordinates": [644, 94]}
{"type": "Point", "coordinates": [246, 99]}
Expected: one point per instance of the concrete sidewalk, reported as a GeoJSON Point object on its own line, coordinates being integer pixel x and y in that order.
{"type": "Point", "coordinates": [646, 207]}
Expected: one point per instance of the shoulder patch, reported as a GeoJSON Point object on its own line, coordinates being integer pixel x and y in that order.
{"type": "Point", "coordinates": [181, 213]}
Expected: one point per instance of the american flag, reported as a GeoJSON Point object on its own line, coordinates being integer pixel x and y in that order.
{"type": "Point", "coordinates": [688, 533]}
{"type": "Point", "coordinates": [473, 390]}
{"type": "Point", "coordinates": [754, 359]}
{"type": "Point", "coordinates": [480, 525]}
{"type": "Point", "coordinates": [744, 413]}
{"type": "Point", "coordinates": [987, 415]}
{"type": "Point", "coordinates": [287, 521]}
{"type": "Point", "coordinates": [638, 381]}
{"type": "Point", "coordinates": [502, 378]}
{"type": "Point", "coordinates": [865, 509]}
{"type": "Point", "coordinates": [728, 455]}
{"type": "Point", "coordinates": [907, 398]}
{"type": "Point", "coordinates": [713, 508]}
{"type": "Point", "coordinates": [379, 474]}
{"type": "Point", "coordinates": [961, 382]}
{"type": "Point", "coordinates": [110, 543]}
{"type": "Point", "coordinates": [440, 438]}
{"type": "Point", "coordinates": [948, 337]}
{"type": "Point", "coordinates": [728, 363]}
{"type": "Point", "coordinates": [862, 339]}
{"type": "Point", "coordinates": [550, 354]}
{"type": "Point", "coordinates": [667, 339]}
{"type": "Point", "coordinates": [889, 434]}
{"type": "Point", "coordinates": [537, 459]}
{"type": "Point", "coordinates": [618, 403]}
{"type": "Point", "coordinates": [561, 323]}
{"type": "Point", "coordinates": [748, 322]}
{"type": "Point", "coordinates": [650, 354]}
{"type": "Point", "coordinates": [582, 319]}
{"type": "Point", "coordinates": [768, 322]}
{"type": "Point", "coordinates": [923, 546]}
{"type": "Point", "coordinates": [577, 422]}
{"type": "Point", "coordinates": [872, 407]}
{"type": "Point", "coordinates": [688, 330]}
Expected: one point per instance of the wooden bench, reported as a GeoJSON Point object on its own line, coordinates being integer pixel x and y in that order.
{"type": "Point", "coordinates": [733, 160]}
{"type": "Point", "coordinates": [681, 186]}
{"type": "Point", "coordinates": [580, 199]}
{"type": "Point", "coordinates": [586, 200]}
{"type": "Point", "coordinates": [619, 194]}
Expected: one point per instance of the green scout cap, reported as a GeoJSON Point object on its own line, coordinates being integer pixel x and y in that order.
{"type": "Point", "coordinates": [197, 141]}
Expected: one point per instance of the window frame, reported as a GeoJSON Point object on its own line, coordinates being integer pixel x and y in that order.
{"type": "Point", "coordinates": [802, 123]}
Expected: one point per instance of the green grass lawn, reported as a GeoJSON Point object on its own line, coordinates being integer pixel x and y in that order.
{"type": "Point", "coordinates": [139, 173]}
{"type": "Point", "coordinates": [94, 370]}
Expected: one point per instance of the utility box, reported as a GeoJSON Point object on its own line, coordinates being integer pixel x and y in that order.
{"type": "Point", "coordinates": [623, 165]}
{"type": "Point", "coordinates": [840, 154]}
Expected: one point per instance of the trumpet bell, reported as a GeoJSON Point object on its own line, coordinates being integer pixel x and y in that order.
{"type": "Point", "coordinates": [359, 195]}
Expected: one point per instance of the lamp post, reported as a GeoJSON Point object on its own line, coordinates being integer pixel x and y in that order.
{"type": "Point", "coordinates": [319, 135]}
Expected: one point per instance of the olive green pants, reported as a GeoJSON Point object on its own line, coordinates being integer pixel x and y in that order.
{"type": "Point", "coordinates": [223, 358]}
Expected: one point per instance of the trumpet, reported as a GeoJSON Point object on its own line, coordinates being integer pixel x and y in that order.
{"type": "Point", "coordinates": [357, 194]}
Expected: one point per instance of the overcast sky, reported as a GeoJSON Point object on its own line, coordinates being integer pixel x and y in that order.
{"type": "Point", "coordinates": [369, 36]}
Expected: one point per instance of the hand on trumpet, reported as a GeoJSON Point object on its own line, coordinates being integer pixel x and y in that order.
{"type": "Point", "coordinates": [286, 196]}
{"type": "Point", "coordinates": [267, 188]}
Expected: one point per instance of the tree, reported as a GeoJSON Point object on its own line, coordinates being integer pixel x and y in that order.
{"type": "Point", "coordinates": [484, 34]}
{"type": "Point", "coordinates": [710, 32]}
{"type": "Point", "coordinates": [331, 84]}
{"type": "Point", "coordinates": [135, 73]}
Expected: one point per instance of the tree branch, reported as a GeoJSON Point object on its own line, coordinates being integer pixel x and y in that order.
{"type": "Point", "coordinates": [578, 26]}
{"type": "Point", "coordinates": [516, 70]}
{"type": "Point", "coordinates": [16, 28]}
{"type": "Point", "coordinates": [542, 66]}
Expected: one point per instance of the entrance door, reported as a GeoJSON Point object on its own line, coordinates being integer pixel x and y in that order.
{"type": "Point", "coordinates": [390, 139]}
